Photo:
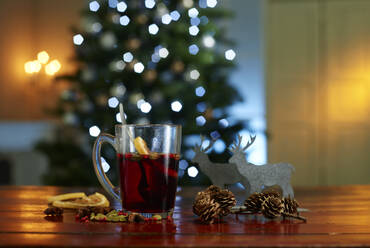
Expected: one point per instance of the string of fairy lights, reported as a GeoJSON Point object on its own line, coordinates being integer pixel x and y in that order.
{"type": "Point", "coordinates": [166, 17]}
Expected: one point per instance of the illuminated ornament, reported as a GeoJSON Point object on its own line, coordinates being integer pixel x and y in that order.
{"type": "Point", "coordinates": [117, 65]}
{"type": "Point", "coordinates": [133, 44]}
{"type": "Point", "coordinates": [176, 106]}
{"type": "Point", "coordinates": [78, 39]}
{"type": "Point", "coordinates": [219, 146]}
{"type": "Point", "coordinates": [108, 40]}
{"type": "Point", "coordinates": [43, 57]}
{"type": "Point", "coordinates": [150, 75]}
{"type": "Point", "coordinates": [153, 29]}
{"type": "Point", "coordinates": [145, 107]}
{"type": "Point", "coordinates": [194, 74]}
{"type": "Point", "coordinates": [113, 102]}
{"type": "Point", "coordinates": [200, 91]}
{"type": "Point", "coordinates": [161, 9]}
{"type": "Point", "coordinates": [193, 12]}
{"type": "Point", "coordinates": [70, 119]}
{"type": "Point", "coordinates": [94, 131]}
{"type": "Point", "coordinates": [204, 20]}
{"type": "Point", "coordinates": [187, 3]}
{"type": "Point", "coordinates": [163, 53]}
{"type": "Point", "coordinates": [192, 171]}
{"type": "Point", "coordinates": [155, 58]}
{"type": "Point", "coordinates": [121, 6]}
{"type": "Point", "coordinates": [53, 67]}
{"type": "Point", "coordinates": [223, 123]}
{"type": "Point", "coordinates": [230, 54]}
{"type": "Point", "coordinates": [178, 66]}
{"type": "Point", "coordinates": [195, 21]}
{"type": "Point", "coordinates": [128, 57]}
{"type": "Point", "coordinates": [215, 135]}
{"type": "Point", "coordinates": [175, 15]}
{"type": "Point", "coordinates": [193, 49]}
{"type": "Point", "coordinates": [96, 27]}
{"type": "Point", "coordinates": [115, 18]}
{"type": "Point", "coordinates": [139, 103]}
{"type": "Point", "coordinates": [139, 67]}
{"type": "Point", "coordinates": [201, 107]}
{"type": "Point", "coordinates": [112, 3]}
{"type": "Point", "coordinates": [200, 120]}
{"type": "Point", "coordinates": [211, 3]}
{"type": "Point", "coordinates": [118, 90]}
{"type": "Point", "coordinates": [149, 4]}
{"type": "Point", "coordinates": [193, 30]}
{"type": "Point", "coordinates": [203, 4]}
{"type": "Point", "coordinates": [208, 41]}
{"type": "Point", "coordinates": [183, 164]}
{"type": "Point", "coordinates": [166, 19]}
{"type": "Point", "coordinates": [124, 20]}
{"type": "Point", "coordinates": [94, 6]}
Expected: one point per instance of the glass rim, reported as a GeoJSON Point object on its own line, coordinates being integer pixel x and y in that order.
{"type": "Point", "coordinates": [148, 125]}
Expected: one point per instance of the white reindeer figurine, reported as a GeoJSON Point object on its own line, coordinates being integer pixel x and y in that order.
{"type": "Point", "coordinates": [219, 174]}
{"type": "Point", "coordinates": [260, 176]}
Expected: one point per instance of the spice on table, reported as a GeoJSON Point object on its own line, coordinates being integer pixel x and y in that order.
{"type": "Point", "coordinates": [54, 211]}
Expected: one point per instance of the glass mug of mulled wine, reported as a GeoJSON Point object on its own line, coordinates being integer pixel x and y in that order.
{"type": "Point", "coordinates": [148, 158]}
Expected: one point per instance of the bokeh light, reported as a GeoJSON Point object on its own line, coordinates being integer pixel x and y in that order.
{"type": "Point", "coordinates": [153, 29]}
{"type": "Point", "coordinates": [94, 131]}
{"type": "Point", "coordinates": [176, 106]}
{"type": "Point", "coordinates": [43, 57]}
{"type": "Point", "coordinates": [124, 20]}
{"type": "Point", "coordinates": [121, 6]}
{"type": "Point", "coordinates": [78, 39]}
{"type": "Point", "coordinates": [94, 6]}
{"type": "Point", "coordinates": [230, 54]}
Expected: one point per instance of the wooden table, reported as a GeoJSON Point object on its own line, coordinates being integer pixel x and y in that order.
{"type": "Point", "coordinates": [338, 216]}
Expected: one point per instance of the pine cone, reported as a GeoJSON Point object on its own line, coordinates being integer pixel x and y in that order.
{"type": "Point", "coordinates": [290, 205]}
{"type": "Point", "coordinates": [272, 207]}
{"type": "Point", "coordinates": [226, 199]}
{"type": "Point", "coordinates": [273, 191]}
{"type": "Point", "coordinates": [212, 190]}
{"type": "Point", "coordinates": [254, 202]}
{"type": "Point", "coordinates": [207, 209]}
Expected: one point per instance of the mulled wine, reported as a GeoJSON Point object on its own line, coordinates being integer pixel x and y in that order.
{"type": "Point", "coordinates": [148, 182]}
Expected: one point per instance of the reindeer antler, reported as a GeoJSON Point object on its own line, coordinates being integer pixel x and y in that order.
{"type": "Point", "coordinates": [199, 147]}
{"type": "Point", "coordinates": [236, 146]}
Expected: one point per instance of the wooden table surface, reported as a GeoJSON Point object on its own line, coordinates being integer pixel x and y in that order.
{"type": "Point", "coordinates": [338, 216]}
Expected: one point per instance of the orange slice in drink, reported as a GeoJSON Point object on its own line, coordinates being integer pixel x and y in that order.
{"type": "Point", "coordinates": [141, 146]}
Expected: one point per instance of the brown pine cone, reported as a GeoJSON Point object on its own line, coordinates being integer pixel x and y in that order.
{"type": "Point", "coordinates": [254, 202]}
{"type": "Point", "coordinates": [226, 199]}
{"type": "Point", "coordinates": [54, 211]}
{"type": "Point", "coordinates": [202, 195]}
{"type": "Point", "coordinates": [212, 190]}
{"type": "Point", "coordinates": [273, 191]}
{"type": "Point", "coordinates": [272, 207]}
{"type": "Point", "coordinates": [207, 209]}
{"type": "Point", "coordinates": [290, 205]}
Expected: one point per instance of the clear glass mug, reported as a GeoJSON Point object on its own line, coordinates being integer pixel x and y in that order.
{"type": "Point", "coordinates": [148, 180]}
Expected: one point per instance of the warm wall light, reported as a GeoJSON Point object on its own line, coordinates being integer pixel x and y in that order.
{"type": "Point", "coordinates": [43, 57]}
{"type": "Point", "coordinates": [53, 67]}
{"type": "Point", "coordinates": [32, 66]}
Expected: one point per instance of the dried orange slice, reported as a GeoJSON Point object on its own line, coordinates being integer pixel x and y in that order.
{"type": "Point", "coordinates": [94, 200]}
{"type": "Point", "coordinates": [141, 146]}
{"type": "Point", "coordinates": [67, 196]}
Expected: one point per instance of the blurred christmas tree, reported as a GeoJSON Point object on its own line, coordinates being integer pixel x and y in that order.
{"type": "Point", "coordinates": [166, 61]}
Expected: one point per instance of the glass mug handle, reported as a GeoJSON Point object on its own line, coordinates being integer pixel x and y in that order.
{"type": "Point", "coordinates": [98, 167]}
